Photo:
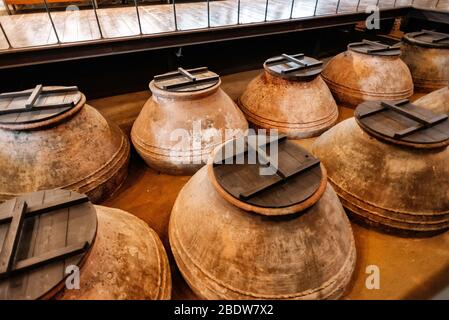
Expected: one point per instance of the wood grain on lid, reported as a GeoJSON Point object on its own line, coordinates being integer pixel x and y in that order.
{"type": "Point", "coordinates": [41, 234]}
{"type": "Point", "coordinates": [38, 104]}
{"type": "Point", "coordinates": [268, 178]}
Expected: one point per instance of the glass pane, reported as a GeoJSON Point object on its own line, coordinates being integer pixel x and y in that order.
{"type": "Point", "coordinates": [443, 4]}
{"type": "Point", "coordinates": [364, 4]}
{"type": "Point", "coordinates": [156, 17]}
{"type": "Point", "coordinates": [191, 15]}
{"type": "Point", "coordinates": [118, 20]}
{"type": "Point", "coordinates": [400, 3]}
{"type": "Point", "coordinates": [252, 11]}
{"type": "Point", "coordinates": [304, 8]}
{"type": "Point", "coordinates": [425, 3]}
{"type": "Point", "coordinates": [326, 7]}
{"type": "Point", "coordinates": [279, 9]}
{"type": "Point", "coordinates": [29, 25]}
{"type": "Point", "coordinates": [347, 6]}
{"type": "Point", "coordinates": [76, 23]}
{"type": "Point", "coordinates": [3, 42]}
{"type": "Point", "coordinates": [223, 12]}
{"type": "Point", "coordinates": [386, 3]}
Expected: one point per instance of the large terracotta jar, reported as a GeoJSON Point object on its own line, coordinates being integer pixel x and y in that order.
{"type": "Point", "coordinates": [187, 116]}
{"type": "Point", "coordinates": [290, 96]}
{"type": "Point", "coordinates": [50, 138]}
{"type": "Point", "coordinates": [239, 232]}
{"type": "Point", "coordinates": [368, 71]}
{"type": "Point", "coordinates": [426, 53]}
{"type": "Point", "coordinates": [390, 166]}
{"type": "Point", "coordinates": [68, 248]}
{"type": "Point", "coordinates": [437, 101]}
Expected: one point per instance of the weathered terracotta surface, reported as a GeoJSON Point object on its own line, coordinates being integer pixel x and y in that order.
{"type": "Point", "coordinates": [243, 255]}
{"type": "Point", "coordinates": [79, 151]}
{"type": "Point", "coordinates": [198, 119]}
{"type": "Point", "coordinates": [355, 77]}
{"type": "Point", "coordinates": [396, 187]}
{"type": "Point", "coordinates": [437, 101]}
{"type": "Point", "coordinates": [429, 66]}
{"type": "Point", "coordinates": [300, 109]}
{"type": "Point", "coordinates": [127, 261]}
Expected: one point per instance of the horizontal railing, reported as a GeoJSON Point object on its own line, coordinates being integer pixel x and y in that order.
{"type": "Point", "coordinates": [104, 34]}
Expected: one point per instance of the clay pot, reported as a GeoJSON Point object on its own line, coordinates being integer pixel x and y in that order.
{"type": "Point", "coordinates": [398, 188]}
{"type": "Point", "coordinates": [76, 149]}
{"type": "Point", "coordinates": [297, 104]}
{"type": "Point", "coordinates": [176, 130]}
{"type": "Point", "coordinates": [303, 251]}
{"type": "Point", "coordinates": [127, 262]}
{"type": "Point", "coordinates": [355, 75]}
{"type": "Point", "coordinates": [437, 101]}
{"type": "Point", "coordinates": [428, 61]}
{"type": "Point", "coordinates": [67, 248]}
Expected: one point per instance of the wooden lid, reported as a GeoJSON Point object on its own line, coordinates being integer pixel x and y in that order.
{"type": "Point", "coordinates": [186, 80]}
{"type": "Point", "coordinates": [37, 105]}
{"type": "Point", "coordinates": [428, 38]}
{"type": "Point", "coordinates": [403, 123]}
{"type": "Point", "coordinates": [375, 48]}
{"type": "Point", "coordinates": [294, 67]}
{"type": "Point", "coordinates": [269, 175]}
{"type": "Point", "coordinates": [41, 234]}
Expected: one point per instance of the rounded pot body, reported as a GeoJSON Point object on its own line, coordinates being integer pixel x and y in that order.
{"type": "Point", "coordinates": [83, 153]}
{"type": "Point", "coordinates": [175, 132]}
{"type": "Point", "coordinates": [429, 66]}
{"type": "Point", "coordinates": [127, 262]}
{"type": "Point", "coordinates": [243, 255]}
{"type": "Point", "coordinates": [397, 188]}
{"type": "Point", "coordinates": [437, 101]}
{"type": "Point", "coordinates": [299, 109]}
{"type": "Point", "coordinates": [355, 77]}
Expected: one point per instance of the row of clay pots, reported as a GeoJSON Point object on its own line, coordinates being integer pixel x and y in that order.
{"type": "Point", "coordinates": [243, 251]}
{"type": "Point", "coordinates": [91, 155]}
{"type": "Point", "coordinates": [100, 167]}
{"type": "Point", "coordinates": [298, 104]}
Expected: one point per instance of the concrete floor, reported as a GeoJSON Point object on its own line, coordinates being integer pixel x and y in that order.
{"type": "Point", "coordinates": [409, 268]}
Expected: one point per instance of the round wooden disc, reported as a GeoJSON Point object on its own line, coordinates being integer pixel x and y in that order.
{"type": "Point", "coordinates": [361, 47]}
{"type": "Point", "coordinates": [51, 227]}
{"type": "Point", "coordinates": [36, 114]}
{"type": "Point", "coordinates": [276, 69]}
{"type": "Point", "coordinates": [256, 190]}
{"type": "Point", "coordinates": [386, 123]}
{"type": "Point", "coordinates": [427, 39]}
{"type": "Point", "coordinates": [174, 78]}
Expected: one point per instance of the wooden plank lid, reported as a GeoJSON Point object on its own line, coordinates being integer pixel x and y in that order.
{"type": "Point", "coordinates": [403, 123]}
{"type": "Point", "coordinates": [37, 105]}
{"type": "Point", "coordinates": [189, 80]}
{"type": "Point", "coordinates": [294, 67]}
{"type": "Point", "coordinates": [41, 234]}
{"type": "Point", "coordinates": [375, 48]}
{"type": "Point", "coordinates": [269, 175]}
{"type": "Point", "coordinates": [426, 38]}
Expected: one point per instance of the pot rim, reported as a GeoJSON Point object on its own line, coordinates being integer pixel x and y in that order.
{"type": "Point", "coordinates": [191, 95]}
{"type": "Point", "coordinates": [49, 122]}
{"type": "Point", "coordinates": [293, 209]}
